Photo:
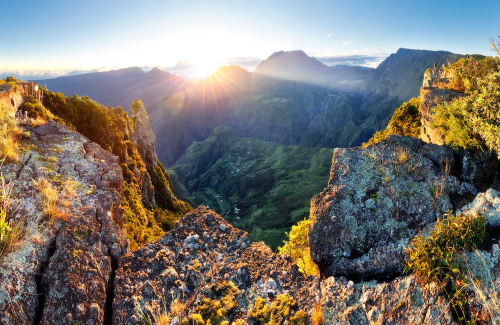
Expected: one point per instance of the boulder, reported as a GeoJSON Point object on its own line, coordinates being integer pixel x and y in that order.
{"type": "Point", "coordinates": [201, 253]}
{"type": "Point", "coordinates": [376, 201]}
{"type": "Point", "coordinates": [61, 270]}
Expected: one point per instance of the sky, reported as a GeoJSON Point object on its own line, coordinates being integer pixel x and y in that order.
{"type": "Point", "coordinates": [50, 38]}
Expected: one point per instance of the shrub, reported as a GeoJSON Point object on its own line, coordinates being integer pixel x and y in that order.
{"type": "Point", "coordinates": [9, 133]}
{"type": "Point", "coordinates": [298, 248]}
{"type": "Point", "coordinates": [474, 121]}
{"type": "Point", "coordinates": [438, 258]}
{"type": "Point", "coordinates": [279, 312]}
{"type": "Point", "coordinates": [405, 121]}
{"type": "Point", "coordinates": [5, 230]}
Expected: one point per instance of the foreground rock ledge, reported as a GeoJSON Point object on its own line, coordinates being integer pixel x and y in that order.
{"type": "Point", "coordinates": [203, 250]}
{"type": "Point", "coordinates": [377, 200]}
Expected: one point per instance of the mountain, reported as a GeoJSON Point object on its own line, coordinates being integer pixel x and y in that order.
{"type": "Point", "coordinates": [291, 99]}
{"type": "Point", "coordinates": [397, 79]}
{"type": "Point", "coordinates": [298, 66]}
{"type": "Point", "coordinates": [259, 186]}
{"type": "Point", "coordinates": [118, 87]}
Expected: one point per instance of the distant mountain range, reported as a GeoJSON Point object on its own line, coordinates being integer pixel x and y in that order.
{"type": "Point", "coordinates": [254, 146]}
{"type": "Point", "coordinates": [290, 99]}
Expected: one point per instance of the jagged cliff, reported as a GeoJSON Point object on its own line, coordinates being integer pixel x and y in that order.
{"type": "Point", "coordinates": [71, 262]}
{"type": "Point", "coordinates": [62, 267]}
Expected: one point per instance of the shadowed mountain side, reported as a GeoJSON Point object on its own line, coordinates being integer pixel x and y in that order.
{"type": "Point", "coordinates": [298, 66]}
{"type": "Point", "coordinates": [261, 187]}
{"type": "Point", "coordinates": [118, 87]}
{"type": "Point", "coordinates": [291, 99]}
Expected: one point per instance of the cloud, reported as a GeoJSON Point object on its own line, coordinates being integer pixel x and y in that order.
{"type": "Point", "coordinates": [323, 38]}
{"type": "Point", "coordinates": [364, 60]}
{"type": "Point", "coordinates": [248, 63]}
{"type": "Point", "coordinates": [44, 74]}
{"type": "Point", "coordinates": [348, 42]}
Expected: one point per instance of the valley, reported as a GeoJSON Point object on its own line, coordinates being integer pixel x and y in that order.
{"type": "Point", "coordinates": [255, 146]}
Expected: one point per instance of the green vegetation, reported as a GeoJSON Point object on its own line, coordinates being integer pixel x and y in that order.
{"type": "Point", "coordinates": [298, 248]}
{"type": "Point", "coordinates": [279, 312]}
{"type": "Point", "coordinates": [9, 133]}
{"type": "Point", "coordinates": [5, 230]}
{"type": "Point", "coordinates": [216, 310]}
{"type": "Point", "coordinates": [472, 122]}
{"type": "Point", "coordinates": [110, 128]}
{"type": "Point", "coordinates": [37, 111]}
{"type": "Point", "coordinates": [439, 257]}
{"type": "Point", "coordinates": [405, 121]}
{"type": "Point", "coordinates": [261, 187]}
{"type": "Point", "coordinates": [465, 73]}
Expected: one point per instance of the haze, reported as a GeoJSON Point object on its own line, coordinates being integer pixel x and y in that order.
{"type": "Point", "coordinates": [193, 38]}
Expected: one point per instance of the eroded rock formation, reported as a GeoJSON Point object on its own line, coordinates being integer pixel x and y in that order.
{"type": "Point", "coordinates": [61, 269]}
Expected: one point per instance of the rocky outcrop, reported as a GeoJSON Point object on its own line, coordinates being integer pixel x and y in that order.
{"type": "Point", "coordinates": [377, 199]}
{"type": "Point", "coordinates": [202, 251]}
{"type": "Point", "coordinates": [65, 202]}
{"type": "Point", "coordinates": [142, 134]}
{"type": "Point", "coordinates": [176, 275]}
{"type": "Point", "coordinates": [429, 98]}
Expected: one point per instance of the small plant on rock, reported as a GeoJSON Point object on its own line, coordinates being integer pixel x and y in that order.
{"type": "Point", "coordinates": [439, 257]}
{"type": "Point", "coordinates": [298, 248]}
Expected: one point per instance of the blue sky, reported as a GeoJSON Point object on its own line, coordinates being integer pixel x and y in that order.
{"type": "Point", "coordinates": [59, 37]}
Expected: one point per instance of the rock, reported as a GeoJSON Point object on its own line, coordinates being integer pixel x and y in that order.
{"type": "Point", "coordinates": [480, 168]}
{"type": "Point", "coordinates": [429, 98]}
{"type": "Point", "coordinates": [202, 251]}
{"type": "Point", "coordinates": [60, 273]}
{"type": "Point", "coordinates": [487, 204]}
{"type": "Point", "coordinates": [143, 135]}
{"type": "Point", "coordinates": [401, 301]}
{"type": "Point", "coordinates": [377, 199]}
{"type": "Point", "coordinates": [484, 264]}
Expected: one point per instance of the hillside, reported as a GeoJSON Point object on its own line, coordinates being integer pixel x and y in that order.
{"type": "Point", "coordinates": [290, 99]}
{"type": "Point", "coordinates": [404, 232]}
{"type": "Point", "coordinates": [260, 187]}
{"type": "Point", "coordinates": [118, 87]}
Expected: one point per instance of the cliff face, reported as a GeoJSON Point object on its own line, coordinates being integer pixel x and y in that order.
{"type": "Point", "coordinates": [65, 201]}
{"type": "Point", "coordinates": [433, 93]}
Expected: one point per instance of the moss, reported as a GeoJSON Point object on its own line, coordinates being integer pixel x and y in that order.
{"type": "Point", "coordinates": [282, 310]}
{"type": "Point", "coordinates": [218, 308]}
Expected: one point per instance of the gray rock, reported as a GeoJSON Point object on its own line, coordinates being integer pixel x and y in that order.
{"type": "Point", "coordinates": [377, 199]}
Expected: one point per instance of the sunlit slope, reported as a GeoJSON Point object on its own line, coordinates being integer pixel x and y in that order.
{"type": "Point", "coordinates": [261, 187]}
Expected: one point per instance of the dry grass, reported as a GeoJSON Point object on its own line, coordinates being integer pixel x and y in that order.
{"type": "Point", "coordinates": [154, 314]}
{"type": "Point", "coordinates": [9, 133]}
{"type": "Point", "coordinates": [49, 196]}
{"type": "Point", "coordinates": [17, 233]}
{"type": "Point", "coordinates": [486, 291]}
{"type": "Point", "coordinates": [317, 316]}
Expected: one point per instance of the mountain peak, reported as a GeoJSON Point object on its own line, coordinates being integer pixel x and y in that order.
{"type": "Point", "coordinates": [289, 65]}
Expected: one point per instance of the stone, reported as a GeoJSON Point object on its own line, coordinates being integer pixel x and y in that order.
{"type": "Point", "coordinates": [376, 201]}
{"type": "Point", "coordinates": [62, 271]}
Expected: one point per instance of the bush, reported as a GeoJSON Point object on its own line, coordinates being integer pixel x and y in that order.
{"type": "Point", "coordinates": [438, 258]}
{"type": "Point", "coordinates": [405, 121]}
{"type": "Point", "coordinates": [279, 312]}
{"type": "Point", "coordinates": [5, 230]}
{"type": "Point", "coordinates": [298, 248]}
{"type": "Point", "coordinates": [473, 122]}
{"type": "Point", "coordinates": [9, 133]}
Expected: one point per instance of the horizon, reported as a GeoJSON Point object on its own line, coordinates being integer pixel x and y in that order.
{"type": "Point", "coordinates": [193, 40]}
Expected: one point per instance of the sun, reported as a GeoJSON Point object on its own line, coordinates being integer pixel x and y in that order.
{"type": "Point", "coordinates": [204, 68]}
